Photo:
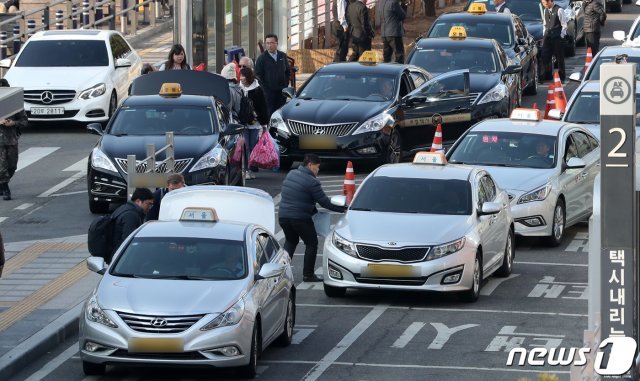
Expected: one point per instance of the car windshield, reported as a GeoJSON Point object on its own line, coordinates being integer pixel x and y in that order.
{"type": "Point", "coordinates": [182, 120]}
{"type": "Point", "coordinates": [62, 53]}
{"type": "Point", "coordinates": [586, 109]}
{"type": "Point", "coordinates": [477, 60]}
{"type": "Point", "coordinates": [594, 74]}
{"type": "Point", "coordinates": [182, 258]}
{"type": "Point", "coordinates": [410, 195]}
{"type": "Point", "coordinates": [499, 30]}
{"type": "Point", "coordinates": [361, 86]}
{"type": "Point", "coordinates": [527, 10]}
{"type": "Point", "coordinates": [506, 149]}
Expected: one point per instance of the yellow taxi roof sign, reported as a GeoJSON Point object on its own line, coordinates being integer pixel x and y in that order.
{"type": "Point", "coordinates": [370, 56]}
{"type": "Point", "coordinates": [457, 33]}
{"type": "Point", "coordinates": [433, 158]}
{"type": "Point", "coordinates": [477, 8]}
{"type": "Point", "coordinates": [530, 114]}
{"type": "Point", "coordinates": [170, 90]}
{"type": "Point", "coordinates": [199, 214]}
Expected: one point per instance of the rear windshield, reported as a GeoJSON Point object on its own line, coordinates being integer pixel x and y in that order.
{"type": "Point", "coordinates": [61, 53]}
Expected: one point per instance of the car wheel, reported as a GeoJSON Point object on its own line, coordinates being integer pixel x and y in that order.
{"type": "Point", "coordinates": [284, 340]}
{"type": "Point", "coordinates": [98, 207]}
{"type": "Point", "coordinates": [394, 150]}
{"type": "Point", "coordinates": [334, 292]}
{"type": "Point", "coordinates": [286, 163]}
{"type": "Point", "coordinates": [91, 369]}
{"type": "Point", "coordinates": [250, 370]}
{"type": "Point", "coordinates": [509, 253]}
{"type": "Point", "coordinates": [113, 104]}
{"type": "Point", "coordinates": [532, 89]}
{"type": "Point", "coordinates": [557, 227]}
{"type": "Point", "coordinates": [473, 293]}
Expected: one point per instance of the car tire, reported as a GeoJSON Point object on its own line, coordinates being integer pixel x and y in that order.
{"type": "Point", "coordinates": [532, 89]}
{"type": "Point", "coordinates": [98, 207]}
{"type": "Point", "coordinates": [509, 253]}
{"type": "Point", "coordinates": [250, 370]}
{"type": "Point", "coordinates": [393, 154]}
{"type": "Point", "coordinates": [558, 224]}
{"type": "Point", "coordinates": [334, 292]}
{"type": "Point", "coordinates": [472, 294]}
{"type": "Point", "coordinates": [91, 369]}
{"type": "Point", "coordinates": [284, 340]}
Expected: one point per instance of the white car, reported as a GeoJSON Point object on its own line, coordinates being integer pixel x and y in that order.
{"type": "Point", "coordinates": [78, 75]}
{"type": "Point", "coordinates": [608, 54]}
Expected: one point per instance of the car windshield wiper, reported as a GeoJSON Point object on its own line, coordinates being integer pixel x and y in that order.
{"type": "Point", "coordinates": [126, 275]}
{"type": "Point", "coordinates": [361, 209]}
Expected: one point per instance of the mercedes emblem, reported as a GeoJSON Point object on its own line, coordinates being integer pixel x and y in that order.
{"type": "Point", "coordinates": [46, 97]}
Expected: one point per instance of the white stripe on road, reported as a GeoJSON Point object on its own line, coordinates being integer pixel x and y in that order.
{"type": "Point", "coordinates": [68, 193]}
{"type": "Point", "coordinates": [551, 264]}
{"type": "Point", "coordinates": [493, 283]}
{"type": "Point", "coordinates": [55, 363]}
{"type": "Point", "coordinates": [23, 206]}
{"type": "Point", "coordinates": [435, 309]}
{"type": "Point", "coordinates": [33, 154]}
{"type": "Point", "coordinates": [63, 184]}
{"type": "Point", "coordinates": [408, 334]}
{"type": "Point", "coordinates": [3, 218]}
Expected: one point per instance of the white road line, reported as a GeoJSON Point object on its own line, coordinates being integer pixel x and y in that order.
{"type": "Point", "coordinates": [493, 283]}
{"type": "Point", "coordinates": [551, 264]}
{"type": "Point", "coordinates": [80, 167]}
{"type": "Point", "coordinates": [33, 154]}
{"type": "Point", "coordinates": [345, 343]}
{"type": "Point", "coordinates": [442, 309]}
{"type": "Point", "coordinates": [306, 326]}
{"type": "Point", "coordinates": [23, 206]}
{"type": "Point", "coordinates": [408, 334]}
{"type": "Point", "coordinates": [68, 193]}
{"type": "Point", "coordinates": [55, 363]}
{"type": "Point", "coordinates": [3, 218]}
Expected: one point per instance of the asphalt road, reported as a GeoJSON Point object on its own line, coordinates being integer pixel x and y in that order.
{"type": "Point", "coordinates": [364, 336]}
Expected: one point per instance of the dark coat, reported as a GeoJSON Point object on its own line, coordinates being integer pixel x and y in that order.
{"type": "Point", "coordinates": [127, 218]}
{"type": "Point", "coordinates": [389, 15]}
{"type": "Point", "coordinates": [594, 16]}
{"type": "Point", "coordinates": [259, 105]}
{"type": "Point", "coordinates": [301, 190]}
{"type": "Point", "coordinates": [2, 260]}
{"type": "Point", "coordinates": [9, 135]}
{"type": "Point", "coordinates": [154, 211]}
{"type": "Point", "coordinates": [273, 76]}
{"type": "Point", "coordinates": [358, 20]}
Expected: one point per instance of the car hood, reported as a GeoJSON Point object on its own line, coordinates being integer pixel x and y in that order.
{"type": "Point", "coordinates": [43, 78]}
{"type": "Point", "coordinates": [535, 29]}
{"type": "Point", "coordinates": [520, 179]}
{"type": "Point", "coordinates": [185, 146]}
{"type": "Point", "coordinates": [405, 229]}
{"type": "Point", "coordinates": [167, 297]}
{"type": "Point", "coordinates": [331, 111]}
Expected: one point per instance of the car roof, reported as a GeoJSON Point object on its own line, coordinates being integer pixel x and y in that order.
{"type": "Point", "coordinates": [74, 34]}
{"type": "Point", "coordinates": [191, 229]}
{"type": "Point", "coordinates": [544, 127]}
{"type": "Point", "coordinates": [593, 86]}
{"type": "Point", "coordinates": [443, 42]}
{"type": "Point", "coordinates": [610, 51]}
{"type": "Point", "coordinates": [425, 171]}
{"type": "Point", "coordinates": [157, 100]}
{"type": "Point", "coordinates": [377, 68]}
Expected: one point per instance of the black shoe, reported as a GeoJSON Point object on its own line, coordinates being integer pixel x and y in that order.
{"type": "Point", "coordinates": [6, 193]}
{"type": "Point", "coordinates": [312, 278]}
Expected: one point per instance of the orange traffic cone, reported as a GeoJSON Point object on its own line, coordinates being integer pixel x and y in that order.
{"type": "Point", "coordinates": [349, 188]}
{"type": "Point", "coordinates": [436, 146]}
{"type": "Point", "coordinates": [551, 103]}
{"type": "Point", "coordinates": [560, 98]}
{"type": "Point", "coordinates": [588, 61]}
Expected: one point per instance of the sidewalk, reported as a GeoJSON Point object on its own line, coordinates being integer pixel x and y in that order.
{"type": "Point", "coordinates": [45, 283]}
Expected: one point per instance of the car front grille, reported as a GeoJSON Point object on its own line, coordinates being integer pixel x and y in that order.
{"type": "Point", "coordinates": [161, 166]}
{"type": "Point", "coordinates": [159, 324]}
{"type": "Point", "coordinates": [302, 128]}
{"type": "Point", "coordinates": [49, 97]}
{"type": "Point", "coordinates": [405, 254]}
{"type": "Point", "coordinates": [474, 97]}
{"type": "Point", "coordinates": [391, 282]}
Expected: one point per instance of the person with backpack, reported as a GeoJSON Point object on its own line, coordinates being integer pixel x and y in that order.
{"type": "Point", "coordinates": [252, 90]}
{"type": "Point", "coordinates": [130, 216]}
{"type": "Point", "coordinates": [174, 181]}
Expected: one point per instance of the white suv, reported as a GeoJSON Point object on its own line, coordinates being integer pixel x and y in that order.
{"type": "Point", "coordinates": [79, 75]}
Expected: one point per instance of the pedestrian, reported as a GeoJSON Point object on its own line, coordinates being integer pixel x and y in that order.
{"type": "Point", "coordinates": [174, 181]}
{"type": "Point", "coordinates": [245, 62]}
{"type": "Point", "coordinates": [253, 91]}
{"type": "Point", "coordinates": [129, 216]}
{"type": "Point", "coordinates": [147, 68]}
{"type": "Point", "coordinates": [340, 29]}
{"type": "Point", "coordinates": [176, 59]}
{"type": "Point", "coordinates": [360, 29]}
{"type": "Point", "coordinates": [501, 6]}
{"type": "Point", "coordinates": [594, 18]}
{"type": "Point", "coordinates": [301, 190]}
{"type": "Point", "coordinates": [273, 71]}
{"type": "Point", "coordinates": [390, 17]}
{"type": "Point", "coordinates": [555, 30]}
{"type": "Point", "coordinates": [10, 131]}
{"type": "Point", "coordinates": [2, 260]}
{"type": "Point", "coordinates": [229, 73]}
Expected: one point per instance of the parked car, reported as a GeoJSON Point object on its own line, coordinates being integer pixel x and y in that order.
{"type": "Point", "coordinates": [608, 54]}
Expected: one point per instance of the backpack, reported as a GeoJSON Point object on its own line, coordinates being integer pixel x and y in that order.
{"type": "Point", "coordinates": [100, 236]}
{"type": "Point", "coordinates": [247, 114]}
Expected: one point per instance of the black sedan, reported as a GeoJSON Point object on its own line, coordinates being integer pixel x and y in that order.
{"type": "Point", "coordinates": [375, 112]}
{"type": "Point", "coordinates": [507, 29]}
{"type": "Point", "coordinates": [204, 137]}
{"type": "Point", "coordinates": [494, 78]}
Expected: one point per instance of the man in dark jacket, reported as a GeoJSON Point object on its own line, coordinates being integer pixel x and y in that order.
{"type": "Point", "coordinates": [301, 190]}
{"type": "Point", "coordinates": [594, 17]}
{"type": "Point", "coordinates": [360, 28]}
{"type": "Point", "coordinates": [390, 15]}
{"type": "Point", "coordinates": [174, 181]}
{"type": "Point", "coordinates": [340, 29]}
{"type": "Point", "coordinates": [10, 130]}
{"type": "Point", "coordinates": [272, 69]}
{"type": "Point", "coordinates": [128, 217]}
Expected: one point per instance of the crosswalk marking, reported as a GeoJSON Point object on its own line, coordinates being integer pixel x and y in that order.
{"type": "Point", "coordinates": [80, 167]}
{"type": "Point", "coordinates": [23, 206]}
{"type": "Point", "coordinates": [33, 154]}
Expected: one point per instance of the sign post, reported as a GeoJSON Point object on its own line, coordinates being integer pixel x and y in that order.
{"type": "Point", "coordinates": [618, 206]}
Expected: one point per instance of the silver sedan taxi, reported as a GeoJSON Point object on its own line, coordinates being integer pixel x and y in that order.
{"type": "Point", "coordinates": [207, 284]}
{"type": "Point", "coordinates": [547, 167]}
{"type": "Point", "coordinates": [426, 225]}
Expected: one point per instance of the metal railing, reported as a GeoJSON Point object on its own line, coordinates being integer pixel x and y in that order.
{"type": "Point", "coordinates": [149, 178]}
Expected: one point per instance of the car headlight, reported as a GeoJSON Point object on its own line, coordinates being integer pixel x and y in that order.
{"type": "Point", "coordinates": [278, 123]}
{"type": "Point", "coordinates": [100, 160]}
{"type": "Point", "coordinates": [499, 92]}
{"type": "Point", "coordinates": [210, 159]}
{"type": "Point", "coordinates": [375, 124]}
{"type": "Point", "coordinates": [93, 92]}
{"type": "Point", "coordinates": [231, 316]}
{"type": "Point", "coordinates": [446, 249]}
{"type": "Point", "coordinates": [343, 245]}
{"type": "Point", "coordinates": [94, 313]}
{"type": "Point", "coordinates": [536, 195]}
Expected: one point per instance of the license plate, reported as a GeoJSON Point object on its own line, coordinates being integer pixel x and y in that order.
{"type": "Point", "coordinates": [377, 270]}
{"type": "Point", "coordinates": [318, 142]}
{"type": "Point", "coordinates": [156, 345]}
{"type": "Point", "coordinates": [47, 110]}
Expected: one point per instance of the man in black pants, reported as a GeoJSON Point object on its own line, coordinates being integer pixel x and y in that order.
{"type": "Point", "coordinates": [390, 16]}
{"type": "Point", "coordinates": [555, 29]}
{"type": "Point", "coordinates": [272, 69]}
{"type": "Point", "coordinates": [594, 18]}
{"type": "Point", "coordinates": [301, 190]}
{"type": "Point", "coordinates": [340, 29]}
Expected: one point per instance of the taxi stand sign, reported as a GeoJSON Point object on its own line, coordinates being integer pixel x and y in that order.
{"type": "Point", "coordinates": [433, 158]}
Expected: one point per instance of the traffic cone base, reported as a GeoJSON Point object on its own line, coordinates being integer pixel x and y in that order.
{"type": "Point", "coordinates": [551, 103]}
{"type": "Point", "coordinates": [349, 188]}
{"type": "Point", "coordinates": [436, 146]}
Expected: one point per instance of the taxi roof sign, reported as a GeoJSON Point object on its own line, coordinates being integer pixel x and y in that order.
{"type": "Point", "coordinates": [433, 158]}
{"type": "Point", "coordinates": [477, 8]}
{"type": "Point", "coordinates": [170, 90]}
{"type": "Point", "coordinates": [530, 114]}
{"type": "Point", "coordinates": [457, 33]}
{"type": "Point", "coordinates": [199, 214]}
{"type": "Point", "coordinates": [370, 56]}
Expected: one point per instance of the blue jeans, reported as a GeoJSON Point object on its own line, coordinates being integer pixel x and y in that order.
{"type": "Point", "coordinates": [250, 141]}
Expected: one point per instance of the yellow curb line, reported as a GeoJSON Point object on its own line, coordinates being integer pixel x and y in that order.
{"type": "Point", "coordinates": [32, 252]}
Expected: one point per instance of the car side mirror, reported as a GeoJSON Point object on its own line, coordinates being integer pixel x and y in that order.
{"type": "Point", "coordinates": [513, 69]}
{"type": "Point", "coordinates": [413, 100]}
{"type": "Point", "coordinates": [489, 208]}
{"type": "Point", "coordinates": [270, 270]}
{"type": "Point", "coordinates": [288, 92]}
{"type": "Point", "coordinates": [619, 35]}
{"type": "Point", "coordinates": [574, 163]}
{"type": "Point", "coordinates": [555, 113]}
{"type": "Point", "coordinates": [339, 200]}
{"type": "Point", "coordinates": [95, 129]}
{"type": "Point", "coordinates": [522, 41]}
{"type": "Point", "coordinates": [576, 76]}
{"type": "Point", "coordinates": [123, 62]}
{"type": "Point", "coordinates": [5, 63]}
{"type": "Point", "coordinates": [96, 264]}
{"type": "Point", "coordinates": [232, 129]}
